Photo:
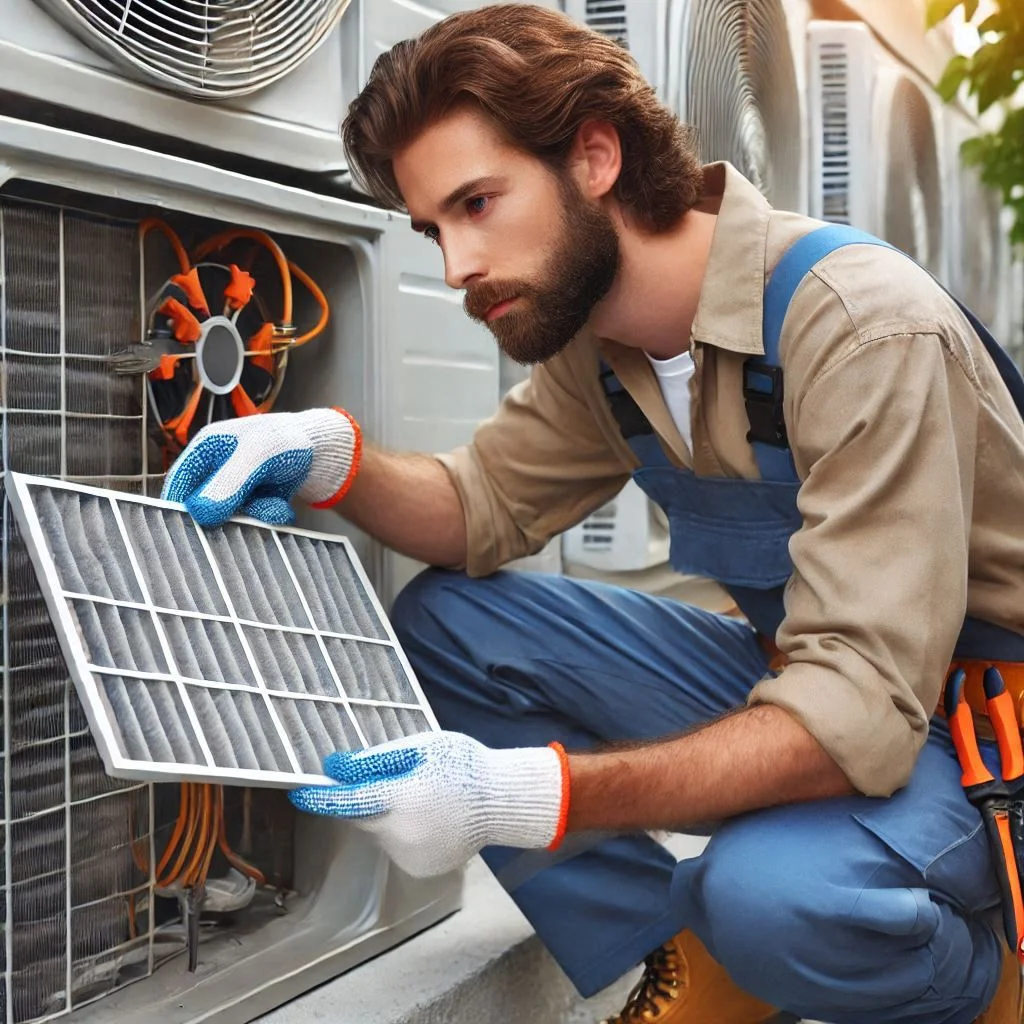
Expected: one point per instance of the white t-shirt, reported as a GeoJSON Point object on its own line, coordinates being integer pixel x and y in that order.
{"type": "Point", "coordinates": [674, 379]}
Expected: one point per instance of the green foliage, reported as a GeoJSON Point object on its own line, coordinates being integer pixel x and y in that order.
{"type": "Point", "coordinates": [992, 75]}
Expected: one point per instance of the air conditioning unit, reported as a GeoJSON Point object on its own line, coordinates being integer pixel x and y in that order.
{"type": "Point", "coordinates": [640, 27]}
{"type": "Point", "coordinates": [875, 143]}
{"type": "Point", "coordinates": [84, 931]}
{"type": "Point", "coordinates": [732, 68]}
{"type": "Point", "coordinates": [273, 78]}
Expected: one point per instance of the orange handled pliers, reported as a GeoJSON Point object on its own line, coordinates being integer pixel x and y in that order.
{"type": "Point", "coordinates": [994, 797]}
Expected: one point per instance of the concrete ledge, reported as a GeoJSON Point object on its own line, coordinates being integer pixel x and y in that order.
{"type": "Point", "coordinates": [479, 965]}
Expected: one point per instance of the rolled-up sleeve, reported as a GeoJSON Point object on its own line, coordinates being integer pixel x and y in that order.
{"type": "Point", "coordinates": [540, 465]}
{"type": "Point", "coordinates": [884, 439]}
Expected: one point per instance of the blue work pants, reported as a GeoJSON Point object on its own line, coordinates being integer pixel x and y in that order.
{"type": "Point", "coordinates": [850, 910]}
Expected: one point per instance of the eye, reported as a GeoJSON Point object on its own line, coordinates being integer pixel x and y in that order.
{"type": "Point", "coordinates": [433, 232]}
{"type": "Point", "coordinates": [477, 205]}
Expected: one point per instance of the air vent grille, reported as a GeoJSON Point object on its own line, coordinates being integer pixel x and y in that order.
{"type": "Point", "coordinates": [609, 18]}
{"type": "Point", "coordinates": [834, 68]}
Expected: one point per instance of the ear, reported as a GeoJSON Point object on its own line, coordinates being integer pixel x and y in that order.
{"type": "Point", "coordinates": [597, 158]}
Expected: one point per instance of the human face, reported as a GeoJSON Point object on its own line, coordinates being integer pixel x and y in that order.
{"type": "Point", "coordinates": [532, 252]}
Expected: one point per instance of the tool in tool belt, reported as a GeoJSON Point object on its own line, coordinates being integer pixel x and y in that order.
{"type": "Point", "coordinates": [1000, 800]}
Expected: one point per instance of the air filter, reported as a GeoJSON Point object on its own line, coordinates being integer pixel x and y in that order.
{"type": "Point", "coordinates": [208, 49]}
{"type": "Point", "coordinates": [731, 74]}
{"type": "Point", "coordinates": [243, 654]}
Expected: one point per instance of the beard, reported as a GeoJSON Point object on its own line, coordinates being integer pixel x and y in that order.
{"type": "Point", "coordinates": [577, 275]}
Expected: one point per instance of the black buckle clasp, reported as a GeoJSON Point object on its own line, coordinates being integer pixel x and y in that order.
{"type": "Point", "coordinates": [762, 395]}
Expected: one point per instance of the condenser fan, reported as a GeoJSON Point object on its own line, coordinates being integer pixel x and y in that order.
{"type": "Point", "coordinates": [213, 350]}
{"type": "Point", "coordinates": [207, 49]}
{"type": "Point", "coordinates": [731, 74]}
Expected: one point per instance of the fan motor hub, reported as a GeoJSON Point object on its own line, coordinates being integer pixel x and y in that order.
{"type": "Point", "coordinates": [220, 355]}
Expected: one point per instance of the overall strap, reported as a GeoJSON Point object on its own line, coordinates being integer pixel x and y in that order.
{"type": "Point", "coordinates": [635, 426]}
{"type": "Point", "coordinates": [762, 375]}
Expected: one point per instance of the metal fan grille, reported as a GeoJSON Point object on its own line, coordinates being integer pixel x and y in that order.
{"type": "Point", "coordinates": [208, 49]}
{"type": "Point", "coordinates": [737, 86]}
{"type": "Point", "coordinates": [69, 296]}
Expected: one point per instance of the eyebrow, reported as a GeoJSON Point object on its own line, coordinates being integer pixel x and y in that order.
{"type": "Point", "coordinates": [464, 191]}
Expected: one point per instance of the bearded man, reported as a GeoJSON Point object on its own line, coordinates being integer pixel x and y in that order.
{"type": "Point", "coordinates": [865, 518]}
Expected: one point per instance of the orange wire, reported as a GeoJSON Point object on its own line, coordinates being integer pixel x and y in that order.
{"type": "Point", "coordinates": [179, 828]}
{"type": "Point", "coordinates": [155, 224]}
{"type": "Point", "coordinates": [193, 821]}
{"type": "Point", "coordinates": [191, 874]}
{"type": "Point", "coordinates": [225, 238]}
{"type": "Point", "coordinates": [233, 858]}
{"type": "Point", "coordinates": [314, 290]}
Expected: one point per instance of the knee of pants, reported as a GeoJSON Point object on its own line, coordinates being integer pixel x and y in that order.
{"type": "Point", "coordinates": [420, 607]}
{"type": "Point", "coordinates": [809, 936]}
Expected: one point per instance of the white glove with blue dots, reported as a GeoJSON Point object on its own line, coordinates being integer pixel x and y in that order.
{"type": "Point", "coordinates": [256, 465]}
{"type": "Point", "coordinates": [436, 799]}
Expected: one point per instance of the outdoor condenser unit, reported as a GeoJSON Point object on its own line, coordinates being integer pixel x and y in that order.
{"type": "Point", "coordinates": [266, 80]}
{"type": "Point", "coordinates": [875, 143]}
{"type": "Point", "coordinates": [83, 931]}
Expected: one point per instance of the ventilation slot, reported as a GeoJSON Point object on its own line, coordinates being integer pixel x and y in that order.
{"type": "Point", "coordinates": [609, 18]}
{"type": "Point", "coordinates": [834, 66]}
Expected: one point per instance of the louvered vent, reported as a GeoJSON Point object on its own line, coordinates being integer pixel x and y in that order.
{"type": "Point", "coordinates": [609, 18]}
{"type": "Point", "coordinates": [731, 74]}
{"type": "Point", "coordinates": [599, 530]}
{"type": "Point", "coordinates": [207, 49]}
{"type": "Point", "coordinates": [834, 73]}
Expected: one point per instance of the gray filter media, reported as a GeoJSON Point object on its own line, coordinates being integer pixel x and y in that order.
{"type": "Point", "coordinates": [240, 654]}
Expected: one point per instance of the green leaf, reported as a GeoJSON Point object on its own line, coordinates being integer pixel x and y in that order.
{"type": "Point", "coordinates": [939, 10]}
{"type": "Point", "coordinates": [952, 78]}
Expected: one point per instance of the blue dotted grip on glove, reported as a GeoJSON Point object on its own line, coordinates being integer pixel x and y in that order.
{"type": "Point", "coordinates": [265, 494]}
{"type": "Point", "coordinates": [363, 776]}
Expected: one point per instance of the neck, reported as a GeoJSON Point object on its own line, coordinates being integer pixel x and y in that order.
{"type": "Point", "coordinates": [653, 302]}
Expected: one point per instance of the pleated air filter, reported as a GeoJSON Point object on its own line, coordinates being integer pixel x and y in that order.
{"type": "Point", "coordinates": [243, 654]}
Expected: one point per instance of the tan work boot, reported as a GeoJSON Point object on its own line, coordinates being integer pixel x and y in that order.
{"type": "Point", "coordinates": [1008, 1005]}
{"type": "Point", "coordinates": [682, 984]}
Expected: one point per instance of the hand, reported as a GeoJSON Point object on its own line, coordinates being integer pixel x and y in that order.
{"type": "Point", "coordinates": [434, 800]}
{"type": "Point", "coordinates": [255, 465]}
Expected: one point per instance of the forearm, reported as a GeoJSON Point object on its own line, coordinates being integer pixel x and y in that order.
{"type": "Point", "coordinates": [409, 503]}
{"type": "Point", "coordinates": [757, 757]}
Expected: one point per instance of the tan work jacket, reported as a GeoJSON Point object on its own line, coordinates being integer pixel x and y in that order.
{"type": "Point", "coordinates": [908, 445]}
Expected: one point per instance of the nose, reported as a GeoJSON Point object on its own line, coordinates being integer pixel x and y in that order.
{"type": "Point", "coordinates": [463, 262]}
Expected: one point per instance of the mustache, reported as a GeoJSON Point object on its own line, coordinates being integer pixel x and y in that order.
{"type": "Point", "coordinates": [486, 295]}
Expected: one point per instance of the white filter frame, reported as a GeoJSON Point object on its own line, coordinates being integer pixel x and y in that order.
{"type": "Point", "coordinates": [83, 672]}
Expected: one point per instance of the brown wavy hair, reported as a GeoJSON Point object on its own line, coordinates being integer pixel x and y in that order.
{"type": "Point", "coordinates": [538, 76]}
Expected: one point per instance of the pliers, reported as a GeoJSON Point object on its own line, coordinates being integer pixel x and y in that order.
{"type": "Point", "coordinates": [996, 798]}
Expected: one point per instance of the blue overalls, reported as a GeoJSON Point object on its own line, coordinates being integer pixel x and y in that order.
{"type": "Point", "coordinates": [850, 910]}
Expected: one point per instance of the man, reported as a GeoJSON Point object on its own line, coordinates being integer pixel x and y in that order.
{"type": "Point", "coordinates": [848, 877]}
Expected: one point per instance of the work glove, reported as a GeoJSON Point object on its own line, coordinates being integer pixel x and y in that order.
{"type": "Point", "coordinates": [436, 799]}
{"type": "Point", "coordinates": [255, 465]}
